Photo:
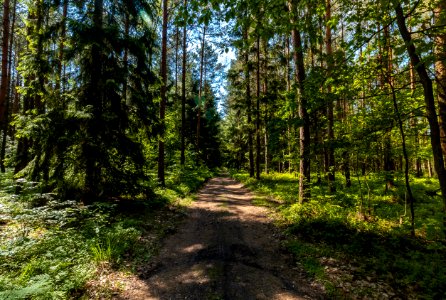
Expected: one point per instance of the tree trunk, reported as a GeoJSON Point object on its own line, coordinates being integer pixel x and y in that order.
{"type": "Point", "coordinates": [7, 98]}
{"type": "Point", "coordinates": [60, 83]}
{"type": "Point", "coordinates": [177, 46]}
{"type": "Point", "coordinates": [126, 59]}
{"type": "Point", "coordinates": [200, 89]}
{"type": "Point", "coordinates": [288, 89]}
{"type": "Point", "coordinates": [248, 104]}
{"type": "Point", "coordinates": [440, 69]}
{"type": "Point", "coordinates": [406, 156]}
{"type": "Point", "coordinates": [346, 165]}
{"type": "Point", "coordinates": [288, 67]}
{"type": "Point", "coordinates": [95, 99]}
{"type": "Point", "coordinates": [4, 75]}
{"type": "Point", "coordinates": [319, 158]}
{"type": "Point", "coordinates": [304, 166]}
{"type": "Point", "coordinates": [414, 123]}
{"type": "Point", "coordinates": [163, 73]}
{"type": "Point", "coordinates": [414, 120]}
{"type": "Point", "coordinates": [330, 118]}
{"type": "Point", "coordinates": [429, 102]}
{"type": "Point", "coordinates": [385, 54]}
{"type": "Point", "coordinates": [388, 163]}
{"type": "Point", "coordinates": [183, 94]}
{"type": "Point", "coordinates": [429, 168]}
{"type": "Point", "coordinates": [265, 89]}
{"type": "Point", "coordinates": [258, 111]}
{"type": "Point", "coordinates": [61, 45]}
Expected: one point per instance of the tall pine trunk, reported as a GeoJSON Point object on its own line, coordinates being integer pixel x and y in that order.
{"type": "Point", "coordinates": [330, 117]}
{"type": "Point", "coordinates": [8, 89]}
{"type": "Point", "coordinates": [258, 110]}
{"type": "Point", "coordinates": [177, 46]}
{"type": "Point", "coordinates": [440, 69]}
{"type": "Point", "coordinates": [163, 73]}
{"type": "Point", "coordinates": [304, 166]}
{"type": "Point", "coordinates": [183, 93]}
{"type": "Point", "coordinates": [61, 46]}
{"type": "Point", "coordinates": [200, 89]}
{"type": "Point", "coordinates": [265, 90]}
{"type": "Point", "coordinates": [126, 58]}
{"type": "Point", "coordinates": [60, 82]}
{"type": "Point", "coordinates": [95, 99]}
{"type": "Point", "coordinates": [4, 67]}
{"type": "Point", "coordinates": [248, 104]}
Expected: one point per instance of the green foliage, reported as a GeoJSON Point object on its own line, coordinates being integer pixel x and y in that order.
{"type": "Point", "coordinates": [187, 180]}
{"type": "Point", "coordinates": [50, 248]}
{"type": "Point", "coordinates": [82, 139]}
{"type": "Point", "coordinates": [370, 236]}
{"type": "Point", "coordinates": [112, 243]}
{"type": "Point", "coordinates": [39, 288]}
{"type": "Point", "coordinates": [307, 256]}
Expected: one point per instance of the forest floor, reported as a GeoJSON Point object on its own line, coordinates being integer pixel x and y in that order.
{"type": "Point", "coordinates": [227, 248]}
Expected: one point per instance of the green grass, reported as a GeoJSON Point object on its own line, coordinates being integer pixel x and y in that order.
{"type": "Point", "coordinates": [365, 228]}
{"type": "Point", "coordinates": [50, 248]}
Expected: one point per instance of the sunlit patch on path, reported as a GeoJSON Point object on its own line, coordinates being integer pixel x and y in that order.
{"type": "Point", "coordinates": [226, 249]}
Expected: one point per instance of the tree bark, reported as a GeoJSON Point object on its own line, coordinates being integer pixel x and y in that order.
{"type": "Point", "coordinates": [8, 89]}
{"type": "Point", "coordinates": [183, 93]}
{"type": "Point", "coordinates": [177, 46]}
{"type": "Point", "coordinates": [258, 111]}
{"type": "Point", "coordinates": [4, 68]}
{"type": "Point", "coordinates": [95, 99]}
{"type": "Point", "coordinates": [265, 90]}
{"type": "Point", "coordinates": [200, 89]}
{"type": "Point", "coordinates": [163, 73]}
{"type": "Point", "coordinates": [440, 69]}
{"type": "Point", "coordinates": [330, 117]}
{"type": "Point", "coordinates": [61, 45]}
{"type": "Point", "coordinates": [388, 162]}
{"type": "Point", "coordinates": [61, 83]}
{"type": "Point", "coordinates": [414, 123]}
{"type": "Point", "coordinates": [248, 104]}
{"type": "Point", "coordinates": [126, 58]}
{"type": "Point", "coordinates": [304, 166]}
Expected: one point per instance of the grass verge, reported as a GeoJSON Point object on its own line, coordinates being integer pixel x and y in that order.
{"type": "Point", "coordinates": [357, 241]}
{"type": "Point", "coordinates": [54, 249]}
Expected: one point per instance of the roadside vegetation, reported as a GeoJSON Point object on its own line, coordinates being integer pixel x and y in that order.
{"type": "Point", "coordinates": [58, 249]}
{"type": "Point", "coordinates": [113, 112]}
{"type": "Point", "coordinates": [357, 241]}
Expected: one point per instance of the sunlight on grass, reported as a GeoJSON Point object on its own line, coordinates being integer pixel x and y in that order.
{"type": "Point", "coordinates": [50, 249]}
{"type": "Point", "coordinates": [362, 228]}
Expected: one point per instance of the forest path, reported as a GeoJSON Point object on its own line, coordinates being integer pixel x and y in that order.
{"type": "Point", "coordinates": [227, 248]}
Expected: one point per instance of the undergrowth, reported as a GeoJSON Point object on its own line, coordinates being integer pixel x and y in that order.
{"type": "Point", "coordinates": [366, 229]}
{"type": "Point", "coordinates": [50, 248]}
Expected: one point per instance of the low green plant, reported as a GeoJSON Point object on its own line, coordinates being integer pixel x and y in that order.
{"type": "Point", "coordinates": [51, 247]}
{"type": "Point", "coordinates": [113, 243]}
{"type": "Point", "coordinates": [364, 227]}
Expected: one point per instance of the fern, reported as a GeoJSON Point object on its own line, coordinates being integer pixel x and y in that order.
{"type": "Point", "coordinates": [38, 287]}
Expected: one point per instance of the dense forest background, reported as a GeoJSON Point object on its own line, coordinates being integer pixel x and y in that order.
{"type": "Point", "coordinates": [115, 100]}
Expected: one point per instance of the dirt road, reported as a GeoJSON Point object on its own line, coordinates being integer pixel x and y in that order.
{"type": "Point", "coordinates": [226, 249]}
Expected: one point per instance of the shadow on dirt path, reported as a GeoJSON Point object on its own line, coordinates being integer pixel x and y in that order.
{"type": "Point", "coordinates": [226, 249]}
